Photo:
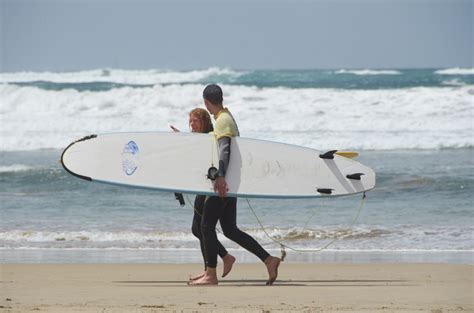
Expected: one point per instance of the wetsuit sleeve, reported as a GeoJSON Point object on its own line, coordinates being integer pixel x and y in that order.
{"type": "Point", "coordinates": [224, 155]}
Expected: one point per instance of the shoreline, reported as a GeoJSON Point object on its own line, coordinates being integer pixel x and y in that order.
{"type": "Point", "coordinates": [300, 287]}
{"type": "Point", "coordinates": [185, 256]}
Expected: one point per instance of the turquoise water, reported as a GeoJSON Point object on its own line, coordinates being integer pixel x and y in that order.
{"type": "Point", "coordinates": [339, 79]}
{"type": "Point", "coordinates": [422, 203]}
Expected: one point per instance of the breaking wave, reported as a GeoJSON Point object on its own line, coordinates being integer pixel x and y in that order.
{"type": "Point", "coordinates": [415, 118]}
{"type": "Point", "coordinates": [360, 238]}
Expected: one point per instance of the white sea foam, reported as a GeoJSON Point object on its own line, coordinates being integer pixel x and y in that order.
{"type": "Point", "coordinates": [132, 77]}
{"type": "Point", "coordinates": [453, 82]}
{"type": "Point", "coordinates": [361, 237]}
{"type": "Point", "coordinates": [92, 236]}
{"type": "Point", "coordinates": [368, 72]}
{"type": "Point", "coordinates": [456, 71]}
{"type": "Point", "coordinates": [415, 118]}
{"type": "Point", "coordinates": [15, 168]}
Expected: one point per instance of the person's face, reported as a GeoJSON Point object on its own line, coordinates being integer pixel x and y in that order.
{"type": "Point", "coordinates": [195, 124]}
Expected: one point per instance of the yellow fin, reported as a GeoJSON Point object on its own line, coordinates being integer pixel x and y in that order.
{"type": "Point", "coordinates": [348, 154]}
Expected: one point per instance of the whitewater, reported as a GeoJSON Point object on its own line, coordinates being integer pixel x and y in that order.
{"type": "Point", "coordinates": [43, 110]}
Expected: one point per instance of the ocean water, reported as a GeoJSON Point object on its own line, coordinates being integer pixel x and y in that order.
{"type": "Point", "coordinates": [414, 127]}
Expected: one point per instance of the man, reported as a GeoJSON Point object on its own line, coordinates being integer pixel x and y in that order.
{"type": "Point", "coordinates": [222, 208]}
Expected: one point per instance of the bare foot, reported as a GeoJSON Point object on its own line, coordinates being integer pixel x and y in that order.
{"type": "Point", "coordinates": [272, 264]}
{"type": "Point", "coordinates": [228, 260]}
{"type": "Point", "coordinates": [205, 280]}
{"type": "Point", "coordinates": [197, 276]}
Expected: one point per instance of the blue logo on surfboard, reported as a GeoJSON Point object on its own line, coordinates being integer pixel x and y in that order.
{"type": "Point", "coordinates": [130, 157]}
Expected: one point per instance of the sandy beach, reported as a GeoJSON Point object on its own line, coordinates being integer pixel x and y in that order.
{"type": "Point", "coordinates": [58, 288]}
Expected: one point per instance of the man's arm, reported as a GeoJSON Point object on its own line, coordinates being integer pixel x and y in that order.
{"type": "Point", "coordinates": [220, 185]}
{"type": "Point", "coordinates": [224, 155]}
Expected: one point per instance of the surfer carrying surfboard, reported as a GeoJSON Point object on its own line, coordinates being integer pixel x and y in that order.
{"type": "Point", "coordinates": [222, 208]}
{"type": "Point", "coordinates": [200, 122]}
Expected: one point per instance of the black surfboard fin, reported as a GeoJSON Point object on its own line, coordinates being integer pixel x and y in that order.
{"type": "Point", "coordinates": [355, 176]}
{"type": "Point", "coordinates": [179, 197]}
{"type": "Point", "coordinates": [326, 191]}
{"type": "Point", "coordinates": [328, 155]}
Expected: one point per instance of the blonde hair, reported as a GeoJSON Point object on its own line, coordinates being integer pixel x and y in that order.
{"type": "Point", "coordinates": [205, 118]}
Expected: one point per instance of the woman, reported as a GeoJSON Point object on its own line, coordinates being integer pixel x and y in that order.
{"type": "Point", "coordinates": [200, 122]}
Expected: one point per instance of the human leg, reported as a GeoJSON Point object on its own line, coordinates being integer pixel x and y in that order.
{"type": "Point", "coordinates": [209, 237]}
{"type": "Point", "coordinates": [228, 222]}
{"type": "Point", "coordinates": [228, 260]}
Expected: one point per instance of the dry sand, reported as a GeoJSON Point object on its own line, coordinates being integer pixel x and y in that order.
{"type": "Point", "coordinates": [433, 288]}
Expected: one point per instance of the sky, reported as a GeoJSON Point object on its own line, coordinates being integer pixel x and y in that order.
{"type": "Point", "coordinates": [69, 35]}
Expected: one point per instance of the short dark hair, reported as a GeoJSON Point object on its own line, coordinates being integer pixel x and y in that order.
{"type": "Point", "coordinates": [213, 94]}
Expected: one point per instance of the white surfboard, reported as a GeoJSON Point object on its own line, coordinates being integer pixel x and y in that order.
{"type": "Point", "coordinates": [179, 162]}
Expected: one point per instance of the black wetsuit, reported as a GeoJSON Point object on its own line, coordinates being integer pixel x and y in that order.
{"type": "Point", "coordinates": [196, 227]}
{"type": "Point", "coordinates": [224, 210]}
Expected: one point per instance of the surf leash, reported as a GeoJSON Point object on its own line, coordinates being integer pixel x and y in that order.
{"type": "Point", "coordinates": [284, 246]}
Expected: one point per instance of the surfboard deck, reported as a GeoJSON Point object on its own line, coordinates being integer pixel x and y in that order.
{"type": "Point", "coordinates": [179, 162]}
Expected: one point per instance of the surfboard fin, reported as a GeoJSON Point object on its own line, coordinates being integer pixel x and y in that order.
{"type": "Point", "coordinates": [328, 155]}
{"type": "Point", "coordinates": [348, 154]}
{"type": "Point", "coordinates": [179, 197]}
{"type": "Point", "coordinates": [326, 191]}
{"type": "Point", "coordinates": [355, 176]}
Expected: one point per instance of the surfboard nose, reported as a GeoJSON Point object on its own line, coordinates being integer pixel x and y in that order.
{"type": "Point", "coordinates": [65, 160]}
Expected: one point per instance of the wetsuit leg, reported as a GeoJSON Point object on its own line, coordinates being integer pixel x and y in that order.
{"type": "Point", "coordinates": [221, 251]}
{"type": "Point", "coordinates": [210, 216]}
{"type": "Point", "coordinates": [228, 220]}
{"type": "Point", "coordinates": [196, 227]}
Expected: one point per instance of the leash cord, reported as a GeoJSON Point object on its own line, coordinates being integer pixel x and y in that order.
{"type": "Point", "coordinates": [283, 245]}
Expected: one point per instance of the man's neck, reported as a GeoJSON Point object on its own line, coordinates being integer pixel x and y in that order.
{"type": "Point", "coordinates": [218, 110]}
